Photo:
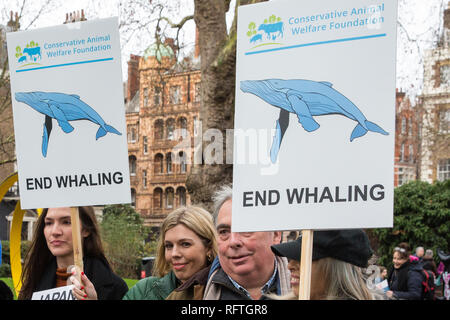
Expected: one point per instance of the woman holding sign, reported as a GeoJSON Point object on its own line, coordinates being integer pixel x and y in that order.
{"type": "Point", "coordinates": [186, 248]}
{"type": "Point", "coordinates": [51, 253]}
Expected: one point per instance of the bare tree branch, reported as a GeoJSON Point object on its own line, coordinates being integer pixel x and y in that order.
{"type": "Point", "coordinates": [43, 8]}
{"type": "Point", "coordinates": [180, 24]}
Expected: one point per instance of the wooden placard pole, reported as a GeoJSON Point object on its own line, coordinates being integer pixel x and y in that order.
{"type": "Point", "coordinates": [76, 240]}
{"type": "Point", "coordinates": [305, 265]}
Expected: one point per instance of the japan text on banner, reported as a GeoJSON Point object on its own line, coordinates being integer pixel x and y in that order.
{"type": "Point", "coordinates": [61, 293]}
{"type": "Point", "coordinates": [315, 115]}
{"type": "Point", "coordinates": [69, 116]}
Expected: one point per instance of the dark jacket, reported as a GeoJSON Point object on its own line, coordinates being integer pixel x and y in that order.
{"type": "Point", "coordinates": [406, 282]}
{"type": "Point", "coordinates": [108, 285]}
{"type": "Point", "coordinates": [153, 288]}
{"type": "Point", "coordinates": [5, 291]}
{"type": "Point", "coordinates": [429, 264]}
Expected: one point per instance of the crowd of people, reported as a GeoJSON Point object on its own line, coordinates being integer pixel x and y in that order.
{"type": "Point", "coordinates": [413, 276]}
{"type": "Point", "coordinates": [200, 258]}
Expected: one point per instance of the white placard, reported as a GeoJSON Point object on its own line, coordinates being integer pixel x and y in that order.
{"type": "Point", "coordinates": [315, 115]}
{"type": "Point", "coordinates": [61, 293]}
{"type": "Point", "coordinates": [383, 285]}
{"type": "Point", "coordinates": [69, 115]}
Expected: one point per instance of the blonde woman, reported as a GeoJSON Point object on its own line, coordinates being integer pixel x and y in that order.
{"type": "Point", "coordinates": [186, 248]}
{"type": "Point", "coordinates": [338, 256]}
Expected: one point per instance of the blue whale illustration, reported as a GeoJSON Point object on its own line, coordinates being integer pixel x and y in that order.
{"type": "Point", "coordinates": [306, 98]}
{"type": "Point", "coordinates": [64, 108]}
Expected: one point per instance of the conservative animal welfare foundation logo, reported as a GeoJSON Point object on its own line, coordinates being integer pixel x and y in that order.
{"type": "Point", "coordinates": [30, 55]}
{"type": "Point", "coordinates": [266, 33]}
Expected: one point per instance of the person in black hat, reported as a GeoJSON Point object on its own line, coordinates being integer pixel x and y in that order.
{"type": "Point", "coordinates": [338, 256]}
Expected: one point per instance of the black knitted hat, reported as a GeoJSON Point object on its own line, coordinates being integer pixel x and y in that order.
{"type": "Point", "coordinates": [351, 246]}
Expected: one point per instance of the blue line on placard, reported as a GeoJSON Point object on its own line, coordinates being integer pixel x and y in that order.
{"type": "Point", "coordinates": [66, 64]}
{"type": "Point", "coordinates": [317, 43]}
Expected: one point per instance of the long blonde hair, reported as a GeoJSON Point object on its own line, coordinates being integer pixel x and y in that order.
{"type": "Point", "coordinates": [196, 219]}
{"type": "Point", "coordinates": [344, 281]}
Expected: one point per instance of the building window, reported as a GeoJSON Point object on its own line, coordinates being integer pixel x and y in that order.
{"type": "Point", "coordinates": [411, 153]}
{"type": "Point", "coordinates": [132, 163]}
{"type": "Point", "coordinates": [181, 195]}
{"type": "Point", "coordinates": [157, 96]}
{"type": "Point", "coordinates": [402, 152]}
{"type": "Point", "coordinates": [182, 125]}
{"type": "Point", "coordinates": [410, 127]}
{"type": "Point", "coordinates": [169, 198]}
{"type": "Point", "coordinates": [405, 174]}
{"type": "Point", "coordinates": [196, 128]}
{"type": "Point", "coordinates": [144, 178]}
{"type": "Point", "coordinates": [197, 92]}
{"type": "Point", "coordinates": [145, 97]}
{"type": "Point", "coordinates": [445, 74]}
{"type": "Point", "coordinates": [169, 162]}
{"type": "Point", "coordinates": [444, 121]}
{"type": "Point", "coordinates": [175, 96]}
{"type": "Point", "coordinates": [443, 169]}
{"type": "Point", "coordinates": [145, 146]}
{"type": "Point", "coordinates": [159, 129]}
{"type": "Point", "coordinates": [158, 163]}
{"type": "Point", "coordinates": [403, 125]}
{"type": "Point", "coordinates": [133, 197]}
{"type": "Point", "coordinates": [131, 134]}
{"type": "Point", "coordinates": [157, 198]}
{"type": "Point", "coordinates": [182, 156]}
{"type": "Point", "coordinates": [170, 125]}
{"type": "Point", "coordinates": [401, 176]}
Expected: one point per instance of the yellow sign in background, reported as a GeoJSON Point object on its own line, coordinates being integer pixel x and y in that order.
{"type": "Point", "coordinates": [16, 231]}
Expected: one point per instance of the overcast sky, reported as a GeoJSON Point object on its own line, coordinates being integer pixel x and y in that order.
{"type": "Point", "coordinates": [418, 23]}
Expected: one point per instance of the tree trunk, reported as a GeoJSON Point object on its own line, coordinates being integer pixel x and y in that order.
{"type": "Point", "coordinates": [218, 67]}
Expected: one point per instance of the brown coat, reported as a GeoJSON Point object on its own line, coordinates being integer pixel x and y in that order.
{"type": "Point", "coordinates": [193, 288]}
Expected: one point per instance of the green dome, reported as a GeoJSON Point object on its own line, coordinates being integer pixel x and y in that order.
{"type": "Point", "coordinates": [158, 51]}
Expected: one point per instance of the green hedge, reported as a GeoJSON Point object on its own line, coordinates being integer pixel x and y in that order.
{"type": "Point", "coordinates": [421, 218]}
{"type": "Point", "coordinates": [5, 268]}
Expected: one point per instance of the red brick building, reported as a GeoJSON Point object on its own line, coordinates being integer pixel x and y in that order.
{"type": "Point", "coordinates": [162, 111]}
{"type": "Point", "coordinates": [407, 147]}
